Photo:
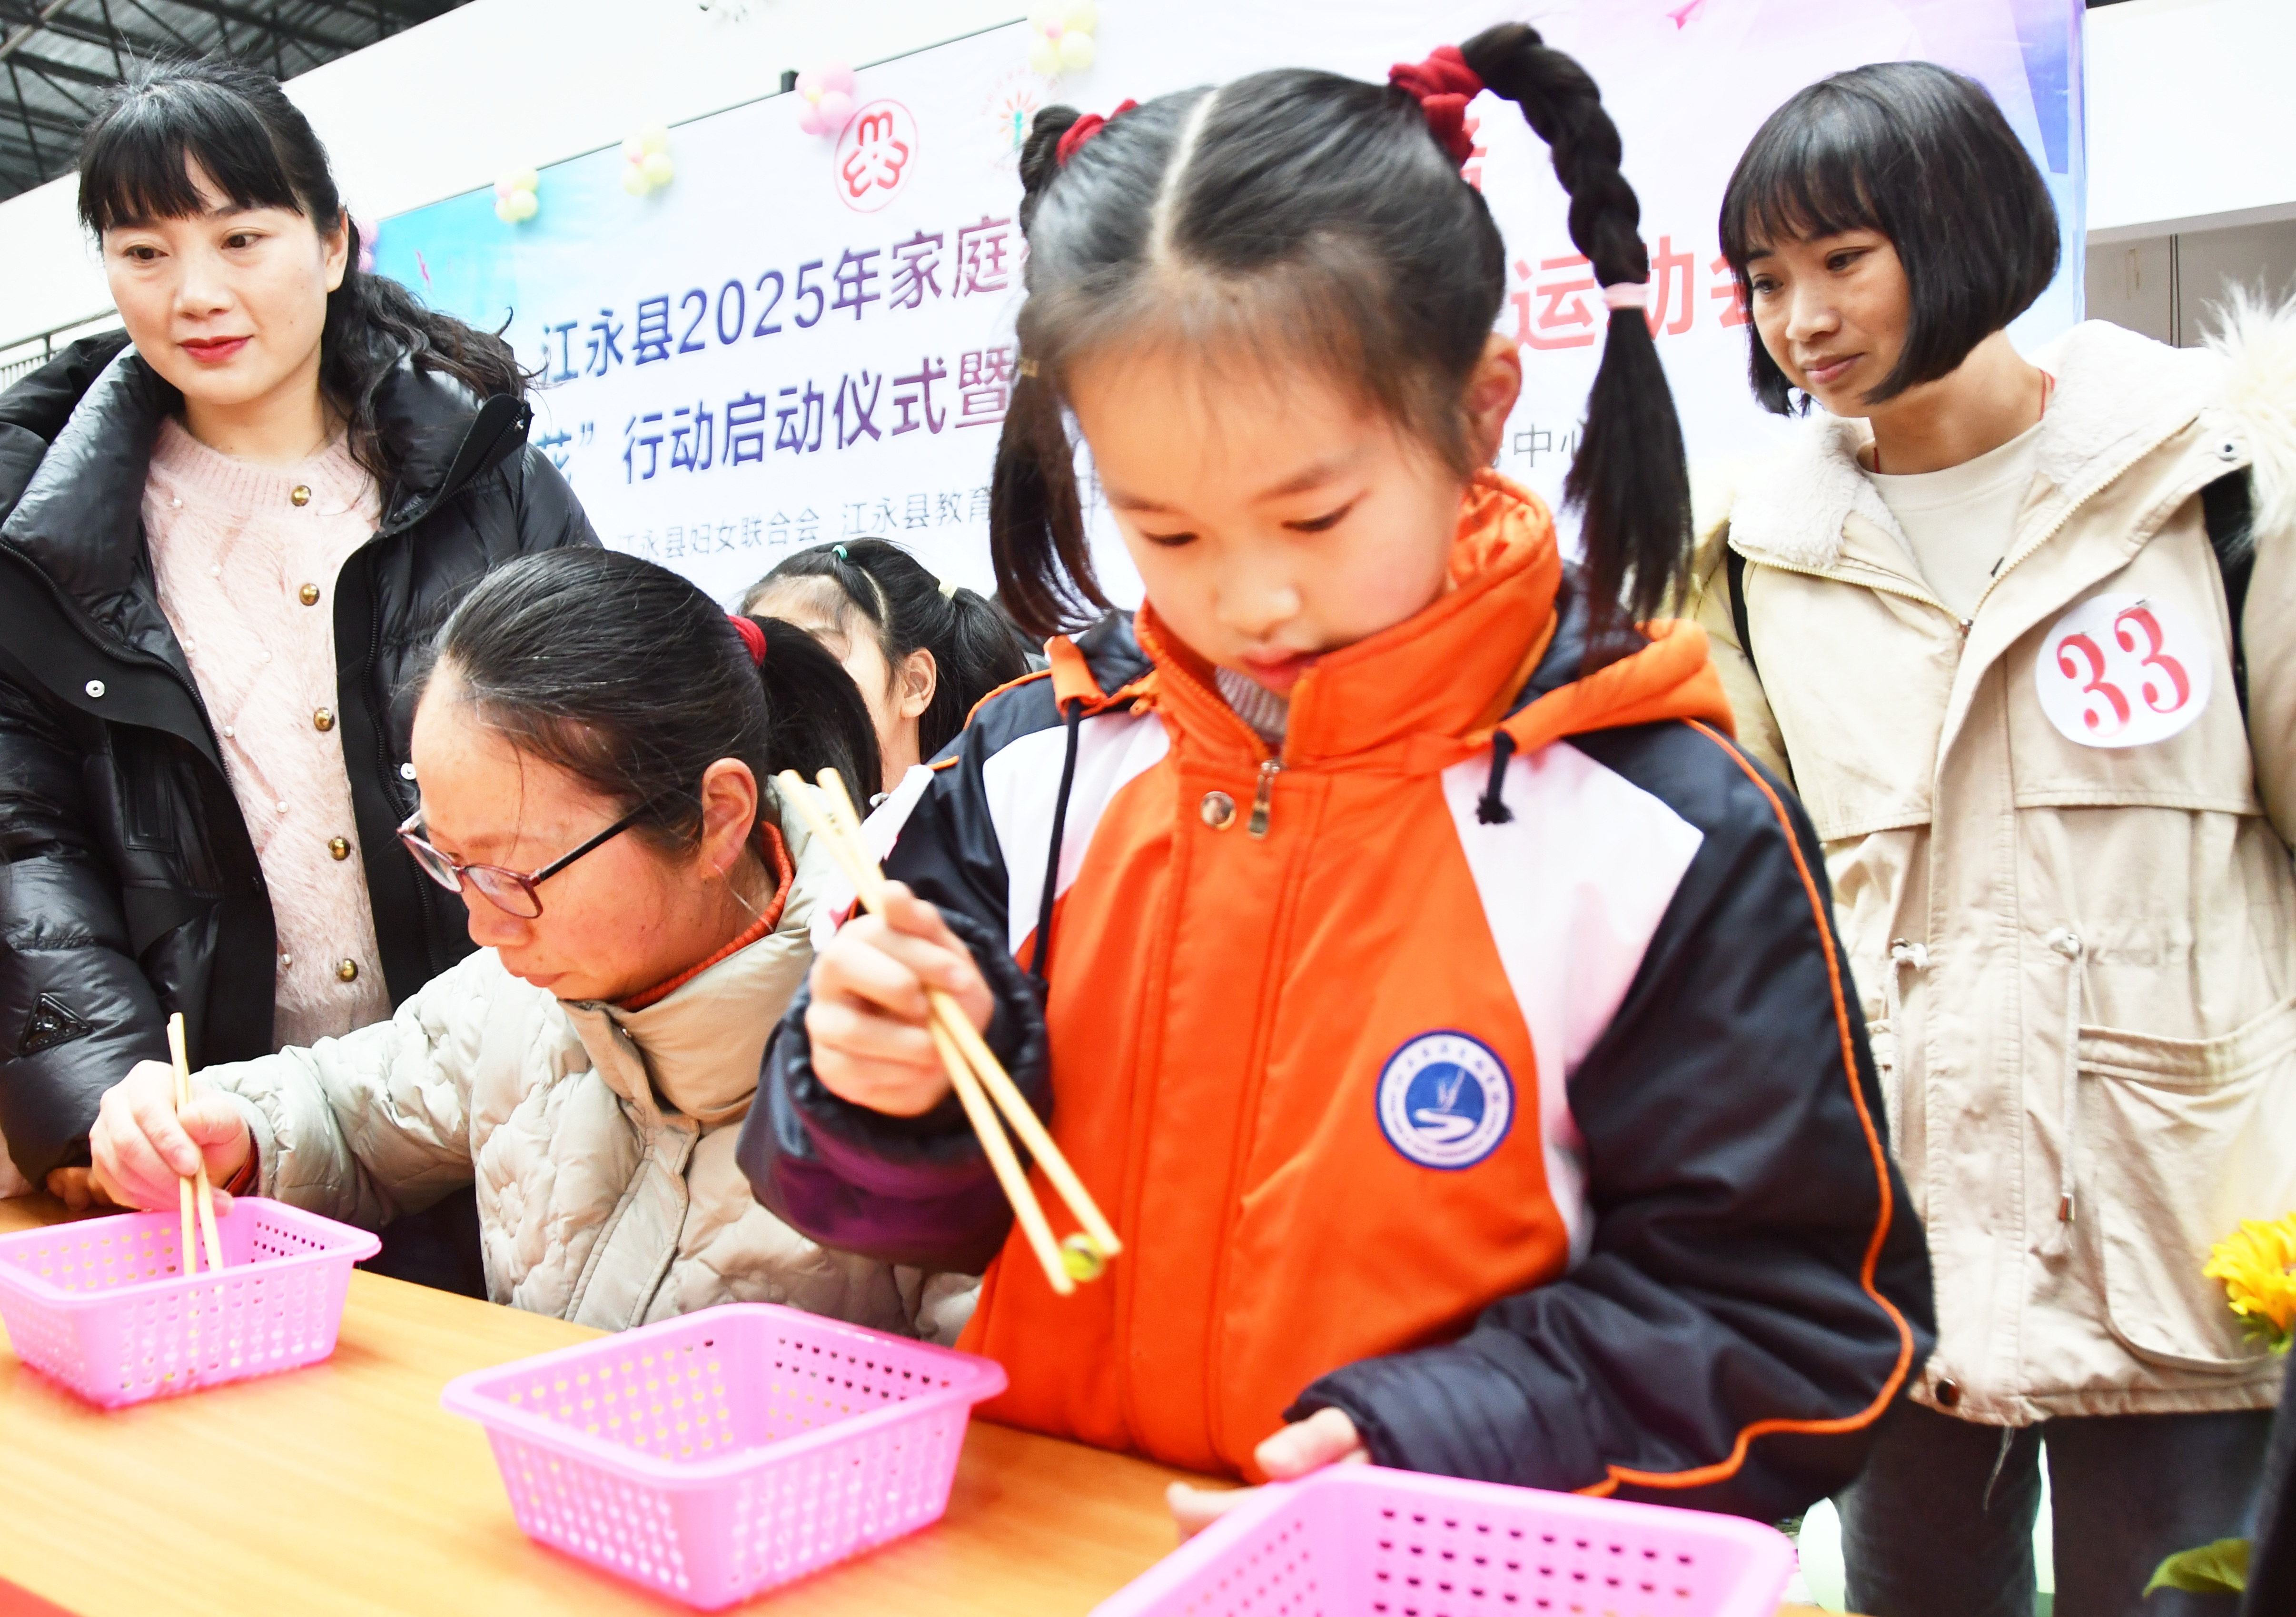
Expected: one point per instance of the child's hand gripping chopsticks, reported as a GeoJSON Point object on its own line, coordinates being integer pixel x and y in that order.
{"type": "Point", "coordinates": [971, 1069]}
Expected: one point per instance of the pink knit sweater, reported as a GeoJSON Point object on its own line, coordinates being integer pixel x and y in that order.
{"type": "Point", "coordinates": [246, 558]}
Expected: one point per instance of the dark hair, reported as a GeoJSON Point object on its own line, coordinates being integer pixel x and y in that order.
{"type": "Point", "coordinates": [1322, 216]}
{"type": "Point", "coordinates": [257, 148]}
{"type": "Point", "coordinates": [628, 677]}
{"type": "Point", "coordinates": [975, 646]}
{"type": "Point", "coordinates": [1922, 155]}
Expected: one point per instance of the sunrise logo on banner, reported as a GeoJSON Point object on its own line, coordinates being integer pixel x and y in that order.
{"type": "Point", "coordinates": [805, 340]}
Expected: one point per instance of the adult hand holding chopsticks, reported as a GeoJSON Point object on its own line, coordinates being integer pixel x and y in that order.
{"type": "Point", "coordinates": [871, 1012]}
{"type": "Point", "coordinates": [143, 1149]}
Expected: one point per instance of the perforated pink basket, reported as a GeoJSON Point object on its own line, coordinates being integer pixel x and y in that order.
{"type": "Point", "coordinates": [730, 1450]}
{"type": "Point", "coordinates": [1362, 1541]}
{"type": "Point", "coordinates": [104, 1307]}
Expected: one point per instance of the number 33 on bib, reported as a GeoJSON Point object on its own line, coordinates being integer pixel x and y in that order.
{"type": "Point", "coordinates": [2124, 670]}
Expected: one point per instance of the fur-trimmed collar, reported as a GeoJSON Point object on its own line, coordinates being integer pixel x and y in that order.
{"type": "Point", "coordinates": [2118, 394]}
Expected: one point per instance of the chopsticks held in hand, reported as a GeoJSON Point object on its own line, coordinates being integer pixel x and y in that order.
{"type": "Point", "coordinates": [974, 1072]}
{"type": "Point", "coordinates": [205, 1193]}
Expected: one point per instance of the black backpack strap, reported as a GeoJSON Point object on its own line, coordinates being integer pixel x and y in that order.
{"type": "Point", "coordinates": [2228, 508]}
{"type": "Point", "coordinates": [1736, 564]}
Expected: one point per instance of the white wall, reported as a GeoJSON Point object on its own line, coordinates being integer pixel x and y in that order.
{"type": "Point", "coordinates": [2191, 122]}
{"type": "Point", "coordinates": [500, 85]}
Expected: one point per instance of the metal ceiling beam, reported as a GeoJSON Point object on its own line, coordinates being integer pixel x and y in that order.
{"type": "Point", "coordinates": [286, 30]}
{"type": "Point", "coordinates": [48, 67]}
{"type": "Point", "coordinates": [44, 100]}
{"type": "Point", "coordinates": [51, 123]}
{"type": "Point", "coordinates": [15, 42]}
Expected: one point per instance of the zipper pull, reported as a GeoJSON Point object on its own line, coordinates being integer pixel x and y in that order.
{"type": "Point", "coordinates": [1264, 797]}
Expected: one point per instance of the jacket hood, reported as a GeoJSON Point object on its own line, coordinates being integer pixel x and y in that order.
{"type": "Point", "coordinates": [1438, 686]}
{"type": "Point", "coordinates": [78, 516]}
{"type": "Point", "coordinates": [2118, 395]}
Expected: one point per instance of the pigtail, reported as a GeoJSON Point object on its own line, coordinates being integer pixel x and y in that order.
{"type": "Point", "coordinates": [1630, 479]}
{"type": "Point", "coordinates": [978, 649]}
{"type": "Point", "coordinates": [1040, 156]}
{"type": "Point", "coordinates": [1036, 521]}
{"type": "Point", "coordinates": [815, 717]}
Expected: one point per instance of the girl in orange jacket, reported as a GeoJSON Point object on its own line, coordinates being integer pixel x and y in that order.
{"type": "Point", "coordinates": [1444, 1009]}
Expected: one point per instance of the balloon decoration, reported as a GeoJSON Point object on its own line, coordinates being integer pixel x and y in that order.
{"type": "Point", "coordinates": [645, 162]}
{"type": "Point", "coordinates": [1061, 38]}
{"type": "Point", "coordinates": [824, 100]}
{"type": "Point", "coordinates": [367, 231]}
{"type": "Point", "coordinates": [517, 196]}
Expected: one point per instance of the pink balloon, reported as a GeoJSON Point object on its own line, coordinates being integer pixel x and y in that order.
{"type": "Point", "coordinates": [809, 119]}
{"type": "Point", "coordinates": [820, 81]}
{"type": "Point", "coordinates": [835, 106]}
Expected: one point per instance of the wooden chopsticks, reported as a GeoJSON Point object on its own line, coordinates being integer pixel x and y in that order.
{"type": "Point", "coordinates": [205, 1193]}
{"type": "Point", "coordinates": [982, 1086]}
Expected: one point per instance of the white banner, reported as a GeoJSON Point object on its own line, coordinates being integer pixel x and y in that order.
{"type": "Point", "coordinates": [799, 339]}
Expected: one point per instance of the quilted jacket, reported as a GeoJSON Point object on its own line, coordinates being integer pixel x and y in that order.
{"type": "Point", "coordinates": [128, 885]}
{"type": "Point", "coordinates": [599, 1200]}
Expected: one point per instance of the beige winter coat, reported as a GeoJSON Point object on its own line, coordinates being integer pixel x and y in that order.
{"type": "Point", "coordinates": [600, 1200]}
{"type": "Point", "coordinates": [2000, 886]}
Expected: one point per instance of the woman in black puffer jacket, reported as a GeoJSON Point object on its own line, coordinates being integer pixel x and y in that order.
{"type": "Point", "coordinates": [134, 883]}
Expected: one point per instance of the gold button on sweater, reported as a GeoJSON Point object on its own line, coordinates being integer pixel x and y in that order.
{"type": "Point", "coordinates": [237, 555]}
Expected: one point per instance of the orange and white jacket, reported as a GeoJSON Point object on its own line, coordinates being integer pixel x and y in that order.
{"type": "Point", "coordinates": [1481, 1064]}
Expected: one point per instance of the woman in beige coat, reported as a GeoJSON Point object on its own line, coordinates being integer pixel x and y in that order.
{"type": "Point", "coordinates": [2020, 632]}
{"type": "Point", "coordinates": [594, 749]}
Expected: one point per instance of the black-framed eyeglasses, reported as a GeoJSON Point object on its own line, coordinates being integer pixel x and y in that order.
{"type": "Point", "coordinates": [509, 891]}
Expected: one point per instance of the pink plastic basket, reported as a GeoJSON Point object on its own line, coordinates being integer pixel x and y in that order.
{"type": "Point", "coordinates": [1362, 1541]}
{"type": "Point", "coordinates": [104, 1307]}
{"type": "Point", "coordinates": [730, 1450]}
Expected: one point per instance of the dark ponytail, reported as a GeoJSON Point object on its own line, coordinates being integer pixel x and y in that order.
{"type": "Point", "coordinates": [1315, 218]}
{"type": "Point", "coordinates": [629, 679]}
{"type": "Point", "coordinates": [1630, 479]}
{"type": "Point", "coordinates": [255, 146]}
{"type": "Point", "coordinates": [975, 646]}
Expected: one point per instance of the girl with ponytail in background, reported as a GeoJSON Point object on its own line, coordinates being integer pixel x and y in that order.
{"type": "Point", "coordinates": [923, 653]}
{"type": "Point", "coordinates": [225, 535]}
{"type": "Point", "coordinates": [1444, 1009]}
{"type": "Point", "coordinates": [595, 744]}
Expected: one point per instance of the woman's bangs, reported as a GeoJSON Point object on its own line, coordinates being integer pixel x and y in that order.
{"type": "Point", "coordinates": [1798, 185]}
{"type": "Point", "coordinates": [139, 166]}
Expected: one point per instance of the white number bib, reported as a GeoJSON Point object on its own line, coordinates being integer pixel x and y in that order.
{"type": "Point", "coordinates": [2124, 670]}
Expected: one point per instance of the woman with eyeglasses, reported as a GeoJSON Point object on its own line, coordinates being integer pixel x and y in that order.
{"type": "Point", "coordinates": [594, 743]}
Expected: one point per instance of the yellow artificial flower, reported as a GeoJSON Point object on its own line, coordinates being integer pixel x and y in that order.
{"type": "Point", "coordinates": [2258, 1266]}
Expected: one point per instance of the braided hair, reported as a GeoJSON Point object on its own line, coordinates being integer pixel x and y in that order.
{"type": "Point", "coordinates": [1321, 219]}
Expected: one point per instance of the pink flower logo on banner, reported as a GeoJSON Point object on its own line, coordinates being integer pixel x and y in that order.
{"type": "Point", "coordinates": [875, 155]}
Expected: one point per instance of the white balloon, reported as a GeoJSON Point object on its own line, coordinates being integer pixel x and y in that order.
{"type": "Point", "coordinates": [1076, 52]}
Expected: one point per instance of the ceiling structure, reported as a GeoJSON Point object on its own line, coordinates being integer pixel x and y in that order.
{"type": "Point", "coordinates": [57, 57]}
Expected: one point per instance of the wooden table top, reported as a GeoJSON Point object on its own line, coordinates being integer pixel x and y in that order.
{"type": "Point", "coordinates": [344, 1488]}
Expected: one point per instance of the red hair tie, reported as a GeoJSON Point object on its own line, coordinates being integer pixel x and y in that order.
{"type": "Point", "coordinates": [1085, 128]}
{"type": "Point", "coordinates": [1443, 84]}
{"type": "Point", "coordinates": [753, 636]}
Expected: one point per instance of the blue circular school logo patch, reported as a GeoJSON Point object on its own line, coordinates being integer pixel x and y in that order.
{"type": "Point", "coordinates": [1446, 1100]}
